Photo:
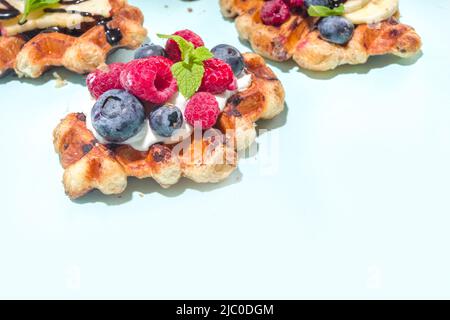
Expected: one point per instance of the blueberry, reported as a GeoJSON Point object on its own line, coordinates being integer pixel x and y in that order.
{"type": "Point", "coordinates": [165, 120]}
{"type": "Point", "coordinates": [149, 50]}
{"type": "Point", "coordinates": [336, 29]}
{"type": "Point", "coordinates": [336, 3]}
{"type": "Point", "coordinates": [117, 116]}
{"type": "Point", "coordinates": [230, 55]}
{"type": "Point", "coordinates": [325, 3]}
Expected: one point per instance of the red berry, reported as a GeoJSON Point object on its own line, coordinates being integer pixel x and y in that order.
{"type": "Point", "coordinates": [149, 79]}
{"type": "Point", "coordinates": [294, 4]}
{"type": "Point", "coordinates": [104, 79]}
{"type": "Point", "coordinates": [218, 76]}
{"type": "Point", "coordinates": [275, 13]}
{"type": "Point", "coordinates": [202, 110]}
{"type": "Point", "coordinates": [172, 49]}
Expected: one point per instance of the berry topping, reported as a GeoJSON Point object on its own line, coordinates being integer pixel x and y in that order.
{"type": "Point", "coordinates": [149, 79]}
{"type": "Point", "coordinates": [275, 13]}
{"type": "Point", "coordinates": [336, 29]}
{"type": "Point", "coordinates": [202, 110]}
{"type": "Point", "coordinates": [149, 50]}
{"type": "Point", "coordinates": [104, 79]}
{"type": "Point", "coordinates": [117, 116]}
{"type": "Point", "coordinates": [165, 120]}
{"type": "Point", "coordinates": [230, 55]}
{"type": "Point", "coordinates": [294, 5]}
{"type": "Point", "coordinates": [172, 49]}
{"type": "Point", "coordinates": [335, 3]}
{"type": "Point", "coordinates": [218, 76]}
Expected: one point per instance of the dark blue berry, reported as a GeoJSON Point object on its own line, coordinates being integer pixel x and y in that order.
{"type": "Point", "coordinates": [336, 3]}
{"type": "Point", "coordinates": [117, 116]}
{"type": "Point", "coordinates": [149, 50]}
{"type": "Point", "coordinates": [336, 29]}
{"type": "Point", "coordinates": [324, 3]}
{"type": "Point", "coordinates": [165, 120]}
{"type": "Point", "coordinates": [230, 55]}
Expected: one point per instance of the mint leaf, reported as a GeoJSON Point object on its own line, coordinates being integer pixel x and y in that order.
{"type": "Point", "coordinates": [190, 70]}
{"type": "Point", "coordinates": [322, 11]}
{"type": "Point", "coordinates": [33, 5]}
{"type": "Point", "coordinates": [189, 77]}
{"type": "Point", "coordinates": [201, 54]}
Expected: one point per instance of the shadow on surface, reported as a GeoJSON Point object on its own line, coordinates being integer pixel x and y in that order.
{"type": "Point", "coordinates": [65, 74]}
{"type": "Point", "coordinates": [140, 188]}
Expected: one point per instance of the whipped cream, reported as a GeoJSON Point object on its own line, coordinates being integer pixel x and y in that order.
{"type": "Point", "coordinates": [146, 137]}
{"type": "Point", "coordinates": [370, 11]}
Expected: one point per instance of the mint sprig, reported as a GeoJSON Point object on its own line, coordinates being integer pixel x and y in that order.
{"type": "Point", "coordinates": [33, 5]}
{"type": "Point", "coordinates": [190, 70]}
{"type": "Point", "coordinates": [323, 11]}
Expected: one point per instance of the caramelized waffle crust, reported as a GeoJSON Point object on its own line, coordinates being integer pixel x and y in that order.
{"type": "Point", "coordinates": [79, 54]}
{"type": "Point", "coordinates": [297, 38]}
{"type": "Point", "coordinates": [209, 158]}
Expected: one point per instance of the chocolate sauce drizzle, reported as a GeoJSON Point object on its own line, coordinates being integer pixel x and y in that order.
{"type": "Point", "coordinates": [8, 12]}
{"type": "Point", "coordinates": [69, 2]}
{"type": "Point", "coordinates": [113, 35]}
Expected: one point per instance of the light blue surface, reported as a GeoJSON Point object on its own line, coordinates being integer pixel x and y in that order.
{"type": "Point", "coordinates": [358, 206]}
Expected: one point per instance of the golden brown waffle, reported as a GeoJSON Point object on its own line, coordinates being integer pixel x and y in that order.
{"type": "Point", "coordinates": [298, 39]}
{"type": "Point", "coordinates": [206, 159]}
{"type": "Point", "coordinates": [79, 54]}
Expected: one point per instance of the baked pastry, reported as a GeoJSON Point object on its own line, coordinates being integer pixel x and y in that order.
{"type": "Point", "coordinates": [321, 35]}
{"type": "Point", "coordinates": [146, 124]}
{"type": "Point", "coordinates": [76, 34]}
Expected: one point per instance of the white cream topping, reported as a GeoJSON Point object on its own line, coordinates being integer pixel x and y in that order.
{"type": "Point", "coordinates": [370, 11]}
{"type": "Point", "coordinates": [40, 20]}
{"type": "Point", "coordinates": [353, 5]}
{"type": "Point", "coordinates": [146, 137]}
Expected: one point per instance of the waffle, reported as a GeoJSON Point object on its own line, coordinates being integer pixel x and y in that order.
{"type": "Point", "coordinates": [208, 158]}
{"type": "Point", "coordinates": [80, 54]}
{"type": "Point", "coordinates": [298, 38]}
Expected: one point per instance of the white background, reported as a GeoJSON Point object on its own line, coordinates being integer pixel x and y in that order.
{"type": "Point", "coordinates": [356, 206]}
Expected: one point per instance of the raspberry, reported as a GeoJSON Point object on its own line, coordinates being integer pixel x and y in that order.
{"type": "Point", "coordinates": [149, 79]}
{"type": "Point", "coordinates": [294, 5]}
{"type": "Point", "coordinates": [275, 12]}
{"type": "Point", "coordinates": [202, 109]}
{"type": "Point", "coordinates": [218, 76]}
{"type": "Point", "coordinates": [104, 79]}
{"type": "Point", "coordinates": [172, 50]}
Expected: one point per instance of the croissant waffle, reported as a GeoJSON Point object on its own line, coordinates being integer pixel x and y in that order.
{"type": "Point", "coordinates": [79, 54]}
{"type": "Point", "coordinates": [297, 38]}
{"type": "Point", "coordinates": [207, 158]}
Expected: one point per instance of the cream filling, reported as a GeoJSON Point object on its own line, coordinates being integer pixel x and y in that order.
{"type": "Point", "coordinates": [353, 5]}
{"type": "Point", "coordinates": [146, 137]}
{"type": "Point", "coordinates": [41, 20]}
{"type": "Point", "coordinates": [370, 11]}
